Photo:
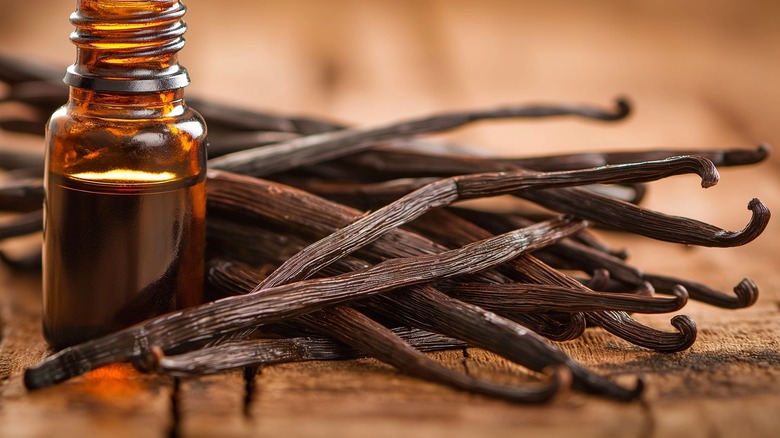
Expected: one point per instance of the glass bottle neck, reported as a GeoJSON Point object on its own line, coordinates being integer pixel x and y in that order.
{"type": "Point", "coordinates": [128, 47]}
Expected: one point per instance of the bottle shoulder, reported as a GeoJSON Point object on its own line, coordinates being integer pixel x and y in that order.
{"type": "Point", "coordinates": [88, 141]}
{"type": "Point", "coordinates": [73, 121]}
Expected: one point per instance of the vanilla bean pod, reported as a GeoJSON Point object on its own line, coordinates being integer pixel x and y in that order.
{"type": "Point", "coordinates": [22, 126]}
{"type": "Point", "coordinates": [218, 318]}
{"type": "Point", "coordinates": [745, 292]}
{"type": "Point", "coordinates": [231, 141]}
{"type": "Point", "coordinates": [398, 162]}
{"type": "Point", "coordinates": [592, 241]}
{"type": "Point", "coordinates": [389, 190]}
{"type": "Point", "coordinates": [719, 157]}
{"type": "Point", "coordinates": [23, 196]}
{"type": "Point", "coordinates": [524, 297]}
{"type": "Point", "coordinates": [496, 222]}
{"type": "Point", "coordinates": [586, 257]}
{"type": "Point", "coordinates": [27, 261]}
{"type": "Point", "coordinates": [42, 95]}
{"type": "Point", "coordinates": [425, 307]}
{"type": "Point", "coordinates": [329, 145]}
{"type": "Point", "coordinates": [447, 191]}
{"type": "Point", "coordinates": [599, 279]}
{"type": "Point", "coordinates": [240, 353]}
{"type": "Point", "coordinates": [369, 195]}
{"type": "Point", "coordinates": [628, 217]}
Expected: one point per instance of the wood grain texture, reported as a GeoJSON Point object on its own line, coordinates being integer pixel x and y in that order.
{"type": "Point", "coordinates": [213, 403]}
{"type": "Point", "coordinates": [702, 74]}
{"type": "Point", "coordinates": [114, 400]}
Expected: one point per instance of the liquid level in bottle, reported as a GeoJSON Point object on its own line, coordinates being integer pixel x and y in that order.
{"type": "Point", "coordinates": [116, 254]}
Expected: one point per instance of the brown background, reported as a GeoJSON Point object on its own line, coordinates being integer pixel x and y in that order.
{"type": "Point", "coordinates": [702, 74]}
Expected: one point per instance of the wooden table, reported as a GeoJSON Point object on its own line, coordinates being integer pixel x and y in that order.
{"type": "Point", "coordinates": [703, 74]}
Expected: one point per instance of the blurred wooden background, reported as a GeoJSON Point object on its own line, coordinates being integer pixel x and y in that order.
{"type": "Point", "coordinates": [702, 74]}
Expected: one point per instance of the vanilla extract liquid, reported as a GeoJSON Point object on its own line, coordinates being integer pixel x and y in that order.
{"type": "Point", "coordinates": [116, 254]}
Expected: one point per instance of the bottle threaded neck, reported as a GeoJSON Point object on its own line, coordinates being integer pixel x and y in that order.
{"type": "Point", "coordinates": [128, 46]}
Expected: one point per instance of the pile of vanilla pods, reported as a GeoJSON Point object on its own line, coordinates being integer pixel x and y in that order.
{"type": "Point", "coordinates": [330, 242]}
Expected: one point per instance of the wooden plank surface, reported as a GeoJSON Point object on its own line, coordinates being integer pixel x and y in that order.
{"type": "Point", "coordinates": [702, 74]}
{"type": "Point", "coordinates": [728, 382]}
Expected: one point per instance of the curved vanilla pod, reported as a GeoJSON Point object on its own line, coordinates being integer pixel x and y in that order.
{"type": "Point", "coordinates": [524, 297]}
{"type": "Point", "coordinates": [623, 326]}
{"type": "Point", "coordinates": [424, 307]}
{"type": "Point", "coordinates": [316, 148]}
{"type": "Point", "coordinates": [745, 292]}
{"type": "Point", "coordinates": [238, 353]}
{"type": "Point", "coordinates": [645, 222]}
{"type": "Point", "coordinates": [719, 157]}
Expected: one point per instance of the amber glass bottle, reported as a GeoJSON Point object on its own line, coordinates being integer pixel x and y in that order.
{"type": "Point", "coordinates": [124, 211]}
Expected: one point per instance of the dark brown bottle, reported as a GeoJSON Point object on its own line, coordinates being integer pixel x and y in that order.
{"type": "Point", "coordinates": [125, 204]}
